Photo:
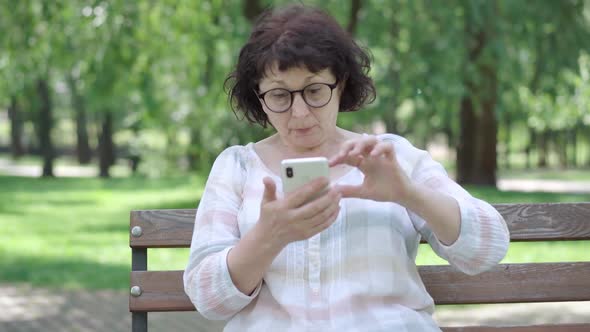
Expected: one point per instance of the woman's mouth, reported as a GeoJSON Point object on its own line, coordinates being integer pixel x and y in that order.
{"type": "Point", "coordinates": [303, 131]}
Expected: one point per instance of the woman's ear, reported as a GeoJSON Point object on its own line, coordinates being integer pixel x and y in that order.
{"type": "Point", "coordinates": [255, 92]}
{"type": "Point", "coordinates": [342, 84]}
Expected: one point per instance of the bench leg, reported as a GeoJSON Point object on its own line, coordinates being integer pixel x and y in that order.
{"type": "Point", "coordinates": [139, 322]}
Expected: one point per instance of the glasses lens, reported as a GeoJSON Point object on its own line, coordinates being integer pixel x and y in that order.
{"type": "Point", "coordinates": [317, 95]}
{"type": "Point", "coordinates": [278, 100]}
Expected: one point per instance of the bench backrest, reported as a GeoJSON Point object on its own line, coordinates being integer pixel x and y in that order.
{"type": "Point", "coordinates": [506, 283]}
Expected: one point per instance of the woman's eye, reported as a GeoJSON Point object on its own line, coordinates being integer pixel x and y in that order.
{"type": "Point", "coordinates": [279, 94]}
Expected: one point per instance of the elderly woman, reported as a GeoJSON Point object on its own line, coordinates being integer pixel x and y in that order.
{"type": "Point", "coordinates": [344, 261]}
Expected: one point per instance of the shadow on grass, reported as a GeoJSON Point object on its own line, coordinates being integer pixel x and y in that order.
{"type": "Point", "coordinates": [7, 207]}
{"type": "Point", "coordinates": [64, 273]}
{"type": "Point", "coordinates": [493, 195]}
{"type": "Point", "coordinates": [123, 225]}
{"type": "Point", "coordinates": [13, 184]}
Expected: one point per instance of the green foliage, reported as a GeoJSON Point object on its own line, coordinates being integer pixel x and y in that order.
{"type": "Point", "coordinates": [161, 65]}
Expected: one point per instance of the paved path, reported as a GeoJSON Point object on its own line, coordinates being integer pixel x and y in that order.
{"type": "Point", "coordinates": [27, 309]}
{"type": "Point", "coordinates": [8, 167]}
{"type": "Point", "coordinates": [539, 185]}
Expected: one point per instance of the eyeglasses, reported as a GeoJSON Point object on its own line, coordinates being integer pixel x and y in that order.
{"type": "Point", "coordinates": [315, 95]}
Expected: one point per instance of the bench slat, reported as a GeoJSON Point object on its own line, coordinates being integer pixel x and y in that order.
{"type": "Point", "coordinates": [163, 228]}
{"type": "Point", "coordinates": [509, 283]}
{"type": "Point", "coordinates": [534, 328]}
{"type": "Point", "coordinates": [547, 221]}
{"type": "Point", "coordinates": [506, 283]}
{"type": "Point", "coordinates": [160, 291]}
{"type": "Point", "coordinates": [527, 222]}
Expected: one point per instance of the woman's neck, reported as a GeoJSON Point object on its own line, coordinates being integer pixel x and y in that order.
{"type": "Point", "coordinates": [327, 148]}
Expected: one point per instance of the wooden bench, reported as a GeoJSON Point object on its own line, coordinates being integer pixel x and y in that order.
{"type": "Point", "coordinates": [153, 291]}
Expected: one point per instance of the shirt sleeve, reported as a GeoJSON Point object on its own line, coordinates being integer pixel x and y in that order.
{"type": "Point", "coordinates": [207, 281]}
{"type": "Point", "coordinates": [483, 238]}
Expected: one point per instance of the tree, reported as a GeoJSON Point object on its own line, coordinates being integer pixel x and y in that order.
{"type": "Point", "coordinates": [476, 152]}
{"type": "Point", "coordinates": [16, 128]}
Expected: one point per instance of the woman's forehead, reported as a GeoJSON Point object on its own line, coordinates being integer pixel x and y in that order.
{"type": "Point", "coordinates": [293, 74]}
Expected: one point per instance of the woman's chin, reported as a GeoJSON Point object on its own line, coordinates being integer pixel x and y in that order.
{"type": "Point", "coordinates": [306, 142]}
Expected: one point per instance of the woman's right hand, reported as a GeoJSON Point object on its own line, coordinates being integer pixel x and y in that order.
{"type": "Point", "coordinates": [294, 217]}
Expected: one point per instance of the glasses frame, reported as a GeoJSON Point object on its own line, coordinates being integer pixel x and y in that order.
{"type": "Point", "coordinates": [292, 92]}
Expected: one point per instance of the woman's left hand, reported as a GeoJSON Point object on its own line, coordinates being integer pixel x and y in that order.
{"type": "Point", "coordinates": [384, 179]}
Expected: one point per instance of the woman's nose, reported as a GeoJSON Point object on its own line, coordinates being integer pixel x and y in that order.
{"type": "Point", "coordinates": [299, 108]}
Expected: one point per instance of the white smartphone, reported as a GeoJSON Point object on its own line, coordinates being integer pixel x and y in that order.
{"type": "Point", "coordinates": [299, 171]}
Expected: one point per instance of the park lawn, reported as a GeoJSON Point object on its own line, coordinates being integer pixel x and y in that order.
{"type": "Point", "coordinates": [73, 232]}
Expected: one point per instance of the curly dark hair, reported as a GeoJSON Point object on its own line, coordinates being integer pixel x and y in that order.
{"type": "Point", "coordinates": [294, 36]}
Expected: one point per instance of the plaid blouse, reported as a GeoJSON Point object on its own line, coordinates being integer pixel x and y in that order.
{"type": "Point", "coordinates": [357, 275]}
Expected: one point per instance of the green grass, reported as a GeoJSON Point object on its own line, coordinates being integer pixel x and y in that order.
{"type": "Point", "coordinates": [73, 232]}
{"type": "Point", "coordinates": [552, 174]}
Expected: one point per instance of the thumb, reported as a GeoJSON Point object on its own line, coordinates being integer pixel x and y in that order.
{"type": "Point", "coordinates": [270, 190]}
{"type": "Point", "coordinates": [350, 191]}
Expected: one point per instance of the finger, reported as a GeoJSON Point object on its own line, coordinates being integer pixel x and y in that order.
{"type": "Point", "coordinates": [323, 215]}
{"type": "Point", "coordinates": [383, 148]}
{"type": "Point", "coordinates": [312, 226]}
{"type": "Point", "coordinates": [318, 205]}
{"type": "Point", "coordinates": [353, 151]}
{"type": "Point", "coordinates": [326, 223]}
{"type": "Point", "coordinates": [364, 146]}
{"type": "Point", "coordinates": [352, 160]}
{"type": "Point", "coordinates": [270, 190]}
{"type": "Point", "coordinates": [344, 150]}
{"type": "Point", "coordinates": [303, 194]}
{"type": "Point", "coordinates": [350, 191]}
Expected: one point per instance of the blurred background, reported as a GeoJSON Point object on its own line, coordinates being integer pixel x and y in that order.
{"type": "Point", "coordinates": [109, 106]}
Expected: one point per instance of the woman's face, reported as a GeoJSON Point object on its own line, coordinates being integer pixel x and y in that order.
{"type": "Point", "coordinates": [301, 127]}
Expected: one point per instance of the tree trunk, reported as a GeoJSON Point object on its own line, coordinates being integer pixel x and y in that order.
{"type": "Point", "coordinates": [78, 104]}
{"type": "Point", "coordinates": [574, 146]}
{"type": "Point", "coordinates": [193, 151]}
{"type": "Point", "coordinates": [530, 145]}
{"type": "Point", "coordinates": [539, 68]}
{"type": "Point", "coordinates": [106, 146]}
{"type": "Point", "coordinates": [45, 127]}
{"type": "Point", "coordinates": [466, 145]}
{"type": "Point", "coordinates": [394, 79]}
{"type": "Point", "coordinates": [16, 129]}
{"type": "Point", "coordinates": [487, 140]}
{"type": "Point", "coordinates": [561, 147]}
{"type": "Point", "coordinates": [507, 140]}
{"type": "Point", "coordinates": [355, 7]}
{"type": "Point", "coordinates": [476, 152]}
{"type": "Point", "coordinates": [542, 149]}
{"type": "Point", "coordinates": [251, 9]}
